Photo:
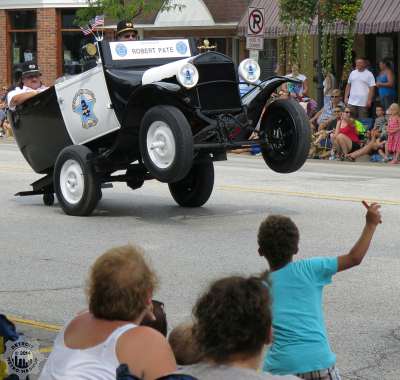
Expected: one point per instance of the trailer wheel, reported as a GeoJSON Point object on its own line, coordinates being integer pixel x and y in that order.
{"type": "Point", "coordinates": [286, 130]}
{"type": "Point", "coordinates": [166, 143]}
{"type": "Point", "coordinates": [48, 199]}
{"type": "Point", "coordinates": [195, 189]}
{"type": "Point", "coordinates": [75, 182]}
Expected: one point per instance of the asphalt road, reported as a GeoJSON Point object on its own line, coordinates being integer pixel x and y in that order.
{"type": "Point", "coordinates": [45, 255]}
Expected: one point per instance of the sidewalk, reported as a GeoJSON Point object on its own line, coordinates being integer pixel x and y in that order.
{"type": "Point", "coordinates": [7, 140]}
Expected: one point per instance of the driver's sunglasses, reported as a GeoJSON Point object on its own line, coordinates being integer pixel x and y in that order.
{"type": "Point", "coordinates": [32, 76]}
{"type": "Point", "coordinates": [127, 36]}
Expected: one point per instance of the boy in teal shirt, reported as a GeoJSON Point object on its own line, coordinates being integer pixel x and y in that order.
{"type": "Point", "coordinates": [300, 343]}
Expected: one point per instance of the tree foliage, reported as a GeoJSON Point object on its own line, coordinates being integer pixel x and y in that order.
{"type": "Point", "coordinates": [301, 14]}
{"type": "Point", "coordinates": [122, 9]}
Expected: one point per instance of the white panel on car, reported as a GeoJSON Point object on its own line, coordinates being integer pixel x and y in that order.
{"type": "Point", "coordinates": [86, 106]}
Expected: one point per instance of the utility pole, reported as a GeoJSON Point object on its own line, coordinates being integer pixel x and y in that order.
{"type": "Point", "coordinates": [320, 83]}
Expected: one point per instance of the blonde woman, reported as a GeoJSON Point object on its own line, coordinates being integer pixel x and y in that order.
{"type": "Point", "coordinates": [95, 342]}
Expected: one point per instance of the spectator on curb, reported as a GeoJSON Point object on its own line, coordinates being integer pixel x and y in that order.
{"type": "Point", "coordinates": [393, 129]}
{"type": "Point", "coordinates": [297, 90]}
{"type": "Point", "coordinates": [232, 324]}
{"type": "Point", "coordinates": [31, 85]}
{"type": "Point", "coordinates": [329, 85]}
{"type": "Point", "coordinates": [321, 141]}
{"type": "Point", "coordinates": [345, 138]}
{"type": "Point", "coordinates": [360, 90]}
{"type": "Point", "coordinates": [385, 84]}
{"type": "Point", "coordinates": [96, 341]}
{"type": "Point", "coordinates": [183, 345]}
{"type": "Point", "coordinates": [300, 345]}
{"type": "Point", "coordinates": [376, 139]}
{"type": "Point", "coordinates": [326, 113]}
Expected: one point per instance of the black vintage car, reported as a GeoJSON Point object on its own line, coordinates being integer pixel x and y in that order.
{"type": "Point", "coordinates": [155, 111]}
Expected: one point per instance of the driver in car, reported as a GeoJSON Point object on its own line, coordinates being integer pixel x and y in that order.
{"type": "Point", "coordinates": [30, 86]}
{"type": "Point", "coordinates": [126, 31]}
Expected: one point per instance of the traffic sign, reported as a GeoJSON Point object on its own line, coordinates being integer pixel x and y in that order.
{"type": "Point", "coordinates": [256, 22]}
{"type": "Point", "coordinates": [254, 43]}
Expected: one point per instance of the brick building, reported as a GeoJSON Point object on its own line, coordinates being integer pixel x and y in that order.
{"type": "Point", "coordinates": [44, 31]}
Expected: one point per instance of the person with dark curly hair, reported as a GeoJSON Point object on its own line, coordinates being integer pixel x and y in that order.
{"type": "Point", "coordinates": [94, 343]}
{"type": "Point", "coordinates": [232, 323]}
{"type": "Point", "coordinates": [300, 345]}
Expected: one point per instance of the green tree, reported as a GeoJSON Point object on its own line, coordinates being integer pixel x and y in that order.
{"type": "Point", "coordinates": [301, 13]}
{"type": "Point", "coordinates": [122, 9]}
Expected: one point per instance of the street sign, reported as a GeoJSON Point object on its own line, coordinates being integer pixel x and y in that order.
{"type": "Point", "coordinates": [255, 43]}
{"type": "Point", "coordinates": [256, 22]}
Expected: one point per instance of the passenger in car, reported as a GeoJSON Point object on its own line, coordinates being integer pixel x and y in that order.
{"type": "Point", "coordinates": [126, 31]}
{"type": "Point", "coordinates": [30, 86]}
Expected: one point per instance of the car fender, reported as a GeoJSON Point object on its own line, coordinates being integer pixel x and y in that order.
{"type": "Point", "coordinates": [150, 95]}
{"type": "Point", "coordinates": [256, 99]}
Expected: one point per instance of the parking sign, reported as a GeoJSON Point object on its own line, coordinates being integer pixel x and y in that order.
{"type": "Point", "coordinates": [256, 22]}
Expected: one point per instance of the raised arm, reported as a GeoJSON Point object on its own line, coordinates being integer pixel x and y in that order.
{"type": "Point", "coordinates": [359, 250]}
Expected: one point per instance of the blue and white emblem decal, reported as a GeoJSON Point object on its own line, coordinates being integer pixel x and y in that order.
{"type": "Point", "coordinates": [83, 105]}
{"type": "Point", "coordinates": [121, 50]}
{"type": "Point", "coordinates": [181, 47]}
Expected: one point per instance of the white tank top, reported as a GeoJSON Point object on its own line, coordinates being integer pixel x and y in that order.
{"type": "Point", "coordinates": [99, 362]}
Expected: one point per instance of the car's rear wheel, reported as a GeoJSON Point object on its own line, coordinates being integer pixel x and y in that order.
{"type": "Point", "coordinates": [166, 143]}
{"type": "Point", "coordinates": [75, 183]}
{"type": "Point", "coordinates": [195, 189]}
{"type": "Point", "coordinates": [286, 131]}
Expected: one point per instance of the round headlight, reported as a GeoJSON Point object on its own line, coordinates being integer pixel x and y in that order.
{"type": "Point", "coordinates": [250, 70]}
{"type": "Point", "coordinates": [188, 76]}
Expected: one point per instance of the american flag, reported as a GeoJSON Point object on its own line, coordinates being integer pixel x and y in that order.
{"type": "Point", "coordinates": [98, 21]}
{"type": "Point", "coordinates": [86, 30]}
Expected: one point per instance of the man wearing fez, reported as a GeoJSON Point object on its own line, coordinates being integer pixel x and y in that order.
{"type": "Point", "coordinates": [126, 31]}
{"type": "Point", "coordinates": [30, 86]}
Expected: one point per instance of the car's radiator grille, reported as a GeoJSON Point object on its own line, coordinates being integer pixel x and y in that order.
{"type": "Point", "coordinates": [217, 88]}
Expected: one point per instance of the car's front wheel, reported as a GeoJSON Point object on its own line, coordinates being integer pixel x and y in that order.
{"type": "Point", "coordinates": [286, 132]}
{"type": "Point", "coordinates": [195, 189]}
{"type": "Point", "coordinates": [166, 143]}
{"type": "Point", "coordinates": [76, 186]}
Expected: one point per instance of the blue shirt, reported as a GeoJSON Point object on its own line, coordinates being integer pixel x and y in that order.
{"type": "Point", "coordinates": [300, 342]}
{"type": "Point", "coordinates": [384, 91]}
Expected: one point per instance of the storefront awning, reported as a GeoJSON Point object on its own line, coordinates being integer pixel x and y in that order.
{"type": "Point", "coordinates": [374, 17]}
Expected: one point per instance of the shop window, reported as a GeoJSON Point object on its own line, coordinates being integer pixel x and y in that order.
{"type": "Point", "coordinates": [72, 42]}
{"type": "Point", "coordinates": [23, 39]}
